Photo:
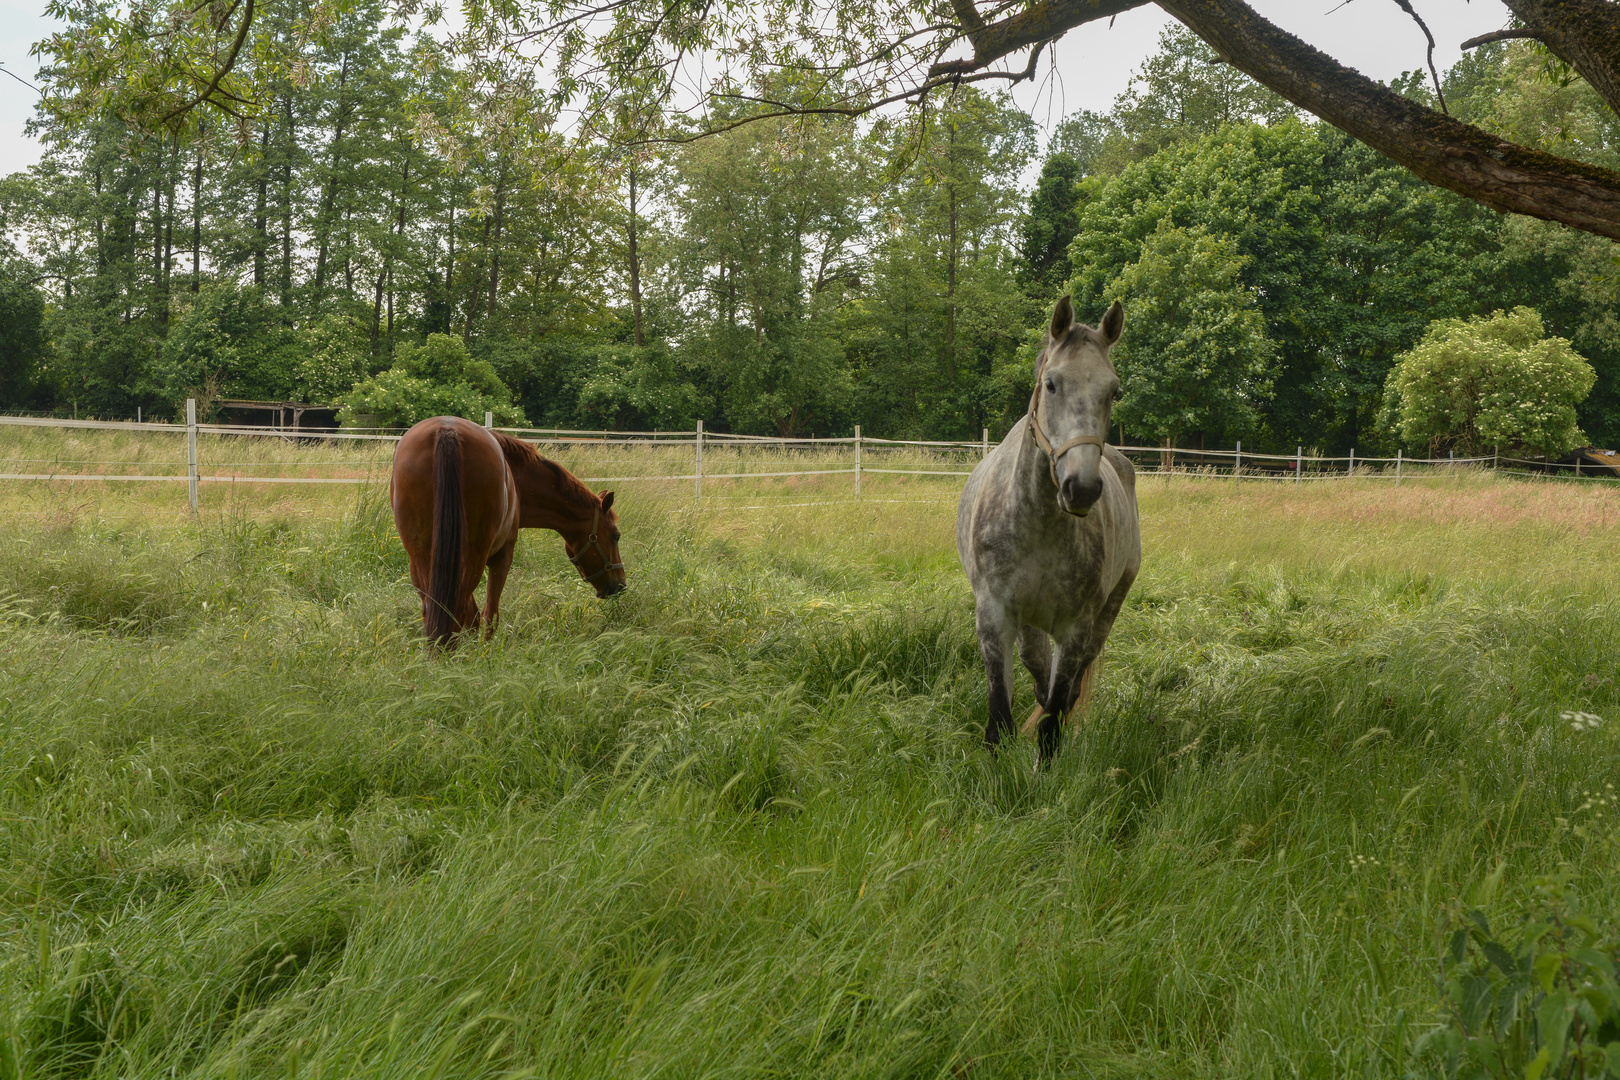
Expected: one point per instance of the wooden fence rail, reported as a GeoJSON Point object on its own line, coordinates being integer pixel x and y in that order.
{"type": "Point", "coordinates": [1238, 464]}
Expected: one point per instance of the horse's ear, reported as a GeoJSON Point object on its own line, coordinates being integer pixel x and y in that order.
{"type": "Point", "coordinates": [1062, 319]}
{"type": "Point", "coordinates": [1113, 323]}
{"type": "Point", "coordinates": [607, 500]}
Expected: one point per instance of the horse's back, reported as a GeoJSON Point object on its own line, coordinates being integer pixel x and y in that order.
{"type": "Point", "coordinates": [489, 495]}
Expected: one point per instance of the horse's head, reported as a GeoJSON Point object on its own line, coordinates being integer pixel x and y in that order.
{"type": "Point", "coordinates": [1071, 413]}
{"type": "Point", "coordinates": [595, 550]}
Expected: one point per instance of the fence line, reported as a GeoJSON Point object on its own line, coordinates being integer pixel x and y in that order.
{"type": "Point", "coordinates": [1149, 459]}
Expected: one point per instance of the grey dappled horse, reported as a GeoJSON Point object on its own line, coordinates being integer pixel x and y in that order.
{"type": "Point", "coordinates": [1047, 529]}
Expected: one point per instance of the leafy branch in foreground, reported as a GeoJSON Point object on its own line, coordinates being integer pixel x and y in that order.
{"type": "Point", "coordinates": [1539, 1001]}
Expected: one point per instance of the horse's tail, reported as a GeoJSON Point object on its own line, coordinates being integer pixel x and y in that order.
{"type": "Point", "coordinates": [1088, 682]}
{"type": "Point", "coordinates": [449, 534]}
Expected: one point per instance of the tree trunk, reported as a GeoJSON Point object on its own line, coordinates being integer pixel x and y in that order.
{"type": "Point", "coordinates": [635, 263]}
{"type": "Point", "coordinates": [477, 284]}
{"type": "Point", "coordinates": [348, 252]}
{"type": "Point", "coordinates": [950, 267]}
{"type": "Point", "coordinates": [286, 215]}
{"type": "Point", "coordinates": [329, 195]}
{"type": "Point", "coordinates": [495, 247]}
{"type": "Point", "coordinates": [101, 247]}
{"type": "Point", "coordinates": [196, 222]}
{"type": "Point", "coordinates": [1585, 34]}
{"type": "Point", "coordinates": [260, 239]}
{"type": "Point", "coordinates": [399, 237]}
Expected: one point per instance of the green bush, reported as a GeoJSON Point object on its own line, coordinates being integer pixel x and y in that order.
{"type": "Point", "coordinates": [1489, 381]}
{"type": "Point", "coordinates": [22, 334]}
{"type": "Point", "coordinates": [334, 355]}
{"type": "Point", "coordinates": [633, 386]}
{"type": "Point", "coordinates": [1538, 1001]}
{"type": "Point", "coordinates": [225, 344]}
{"type": "Point", "coordinates": [436, 378]}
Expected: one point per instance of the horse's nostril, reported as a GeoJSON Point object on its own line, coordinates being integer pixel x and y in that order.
{"type": "Point", "coordinates": [1081, 494]}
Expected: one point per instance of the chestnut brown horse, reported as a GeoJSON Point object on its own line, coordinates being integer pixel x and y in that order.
{"type": "Point", "coordinates": [461, 493]}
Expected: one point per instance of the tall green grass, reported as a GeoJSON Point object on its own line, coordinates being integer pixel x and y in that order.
{"type": "Point", "coordinates": [738, 821]}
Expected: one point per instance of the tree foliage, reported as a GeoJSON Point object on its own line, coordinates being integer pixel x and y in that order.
{"type": "Point", "coordinates": [1492, 381]}
{"type": "Point", "coordinates": [436, 378]}
{"type": "Point", "coordinates": [793, 275]}
{"type": "Point", "coordinates": [1197, 357]}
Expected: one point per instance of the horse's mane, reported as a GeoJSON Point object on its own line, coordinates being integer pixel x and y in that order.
{"type": "Point", "coordinates": [522, 455]}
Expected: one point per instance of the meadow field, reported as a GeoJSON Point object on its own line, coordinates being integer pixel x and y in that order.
{"type": "Point", "coordinates": [739, 821]}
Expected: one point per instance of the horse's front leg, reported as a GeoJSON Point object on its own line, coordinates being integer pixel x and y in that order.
{"type": "Point", "coordinates": [996, 634]}
{"type": "Point", "coordinates": [1069, 663]}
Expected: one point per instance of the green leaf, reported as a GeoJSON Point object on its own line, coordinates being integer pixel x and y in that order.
{"type": "Point", "coordinates": [1503, 959]}
{"type": "Point", "coordinates": [1475, 1002]}
{"type": "Point", "coordinates": [1458, 947]}
{"type": "Point", "coordinates": [1546, 969]}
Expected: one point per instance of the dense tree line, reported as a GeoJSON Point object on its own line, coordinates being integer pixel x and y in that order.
{"type": "Point", "coordinates": [376, 225]}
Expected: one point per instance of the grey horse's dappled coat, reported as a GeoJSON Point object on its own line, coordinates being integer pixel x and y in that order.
{"type": "Point", "coordinates": [1047, 529]}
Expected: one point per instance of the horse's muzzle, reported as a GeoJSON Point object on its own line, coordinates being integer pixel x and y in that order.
{"type": "Point", "coordinates": [610, 588]}
{"type": "Point", "coordinates": [1077, 496]}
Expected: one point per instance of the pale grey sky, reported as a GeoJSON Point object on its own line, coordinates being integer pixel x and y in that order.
{"type": "Point", "coordinates": [1094, 62]}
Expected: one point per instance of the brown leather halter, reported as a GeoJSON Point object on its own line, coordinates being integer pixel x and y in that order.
{"type": "Point", "coordinates": [1039, 435]}
{"type": "Point", "coordinates": [592, 542]}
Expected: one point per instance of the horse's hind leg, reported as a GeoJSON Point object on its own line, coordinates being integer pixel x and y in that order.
{"type": "Point", "coordinates": [500, 564]}
{"type": "Point", "coordinates": [1035, 650]}
{"type": "Point", "coordinates": [996, 646]}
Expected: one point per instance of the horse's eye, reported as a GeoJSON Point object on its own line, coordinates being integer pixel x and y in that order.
{"type": "Point", "coordinates": [1051, 387]}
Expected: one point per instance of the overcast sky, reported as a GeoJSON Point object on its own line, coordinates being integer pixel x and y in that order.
{"type": "Point", "coordinates": [1094, 62]}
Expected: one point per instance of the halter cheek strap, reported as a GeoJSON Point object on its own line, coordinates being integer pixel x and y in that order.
{"type": "Point", "coordinates": [1037, 433]}
{"type": "Point", "coordinates": [591, 542]}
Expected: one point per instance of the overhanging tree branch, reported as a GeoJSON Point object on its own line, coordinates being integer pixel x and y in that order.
{"type": "Point", "coordinates": [223, 70]}
{"type": "Point", "coordinates": [1585, 34]}
{"type": "Point", "coordinates": [1497, 35]}
{"type": "Point", "coordinates": [1044, 21]}
{"type": "Point", "coordinates": [1441, 150]}
{"type": "Point", "coordinates": [1446, 152]}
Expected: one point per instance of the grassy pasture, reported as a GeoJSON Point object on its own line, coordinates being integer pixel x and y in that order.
{"type": "Point", "coordinates": [738, 821]}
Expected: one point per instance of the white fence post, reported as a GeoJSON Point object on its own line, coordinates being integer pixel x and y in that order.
{"type": "Point", "coordinates": [489, 419]}
{"type": "Point", "coordinates": [1451, 465]}
{"type": "Point", "coordinates": [1397, 466]}
{"type": "Point", "coordinates": [1352, 473]}
{"type": "Point", "coordinates": [857, 460]}
{"type": "Point", "coordinates": [984, 444]}
{"type": "Point", "coordinates": [1299, 462]}
{"type": "Point", "coordinates": [699, 486]}
{"type": "Point", "coordinates": [1237, 465]}
{"type": "Point", "coordinates": [137, 414]}
{"type": "Point", "coordinates": [191, 451]}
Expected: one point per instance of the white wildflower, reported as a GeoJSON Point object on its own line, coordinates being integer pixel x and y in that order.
{"type": "Point", "coordinates": [1581, 721]}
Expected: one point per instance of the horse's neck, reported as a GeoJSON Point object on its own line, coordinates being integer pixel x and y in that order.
{"type": "Point", "coordinates": [1031, 477]}
{"type": "Point", "coordinates": [552, 499]}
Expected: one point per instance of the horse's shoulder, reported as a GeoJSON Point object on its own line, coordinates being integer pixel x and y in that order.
{"type": "Point", "coordinates": [1122, 467]}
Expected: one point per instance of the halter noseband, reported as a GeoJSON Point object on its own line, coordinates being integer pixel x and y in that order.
{"type": "Point", "coordinates": [592, 542]}
{"type": "Point", "coordinates": [1039, 435]}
